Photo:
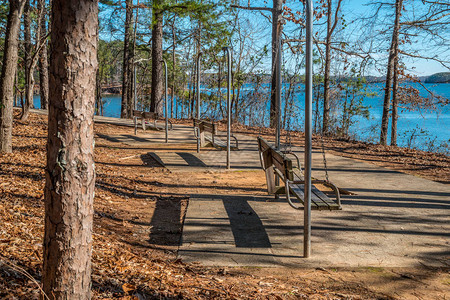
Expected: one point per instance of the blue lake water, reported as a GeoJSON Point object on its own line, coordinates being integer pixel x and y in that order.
{"type": "Point", "coordinates": [426, 130]}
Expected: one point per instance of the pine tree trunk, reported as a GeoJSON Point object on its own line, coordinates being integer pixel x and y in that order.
{"type": "Point", "coordinates": [130, 94]}
{"type": "Point", "coordinates": [156, 102]}
{"type": "Point", "coordinates": [8, 74]}
{"type": "Point", "coordinates": [131, 69]}
{"type": "Point", "coordinates": [326, 76]}
{"type": "Point", "coordinates": [70, 174]}
{"type": "Point", "coordinates": [394, 102]}
{"type": "Point", "coordinates": [389, 74]}
{"type": "Point", "coordinates": [173, 71]}
{"type": "Point", "coordinates": [277, 28]}
{"type": "Point", "coordinates": [29, 78]}
{"type": "Point", "coordinates": [331, 26]}
{"type": "Point", "coordinates": [98, 95]}
{"type": "Point", "coordinates": [126, 60]}
{"type": "Point", "coordinates": [43, 58]}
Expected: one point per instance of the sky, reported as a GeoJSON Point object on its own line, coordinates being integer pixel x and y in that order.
{"type": "Point", "coordinates": [420, 67]}
{"type": "Point", "coordinates": [351, 9]}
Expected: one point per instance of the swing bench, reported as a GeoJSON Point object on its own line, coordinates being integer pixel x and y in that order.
{"type": "Point", "coordinates": [201, 127]}
{"type": "Point", "coordinates": [276, 163]}
{"type": "Point", "coordinates": [145, 117]}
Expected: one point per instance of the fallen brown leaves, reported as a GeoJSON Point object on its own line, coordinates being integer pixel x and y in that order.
{"type": "Point", "coordinates": [133, 255]}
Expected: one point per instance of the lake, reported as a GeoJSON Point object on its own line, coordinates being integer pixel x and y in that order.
{"type": "Point", "coordinates": [425, 130]}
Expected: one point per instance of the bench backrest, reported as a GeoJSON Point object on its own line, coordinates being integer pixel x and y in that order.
{"type": "Point", "coordinates": [149, 115]}
{"type": "Point", "coordinates": [271, 157]}
{"type": "Point", "coordinates": [205, 126]}
{"type": "Point", "coordinates": [144, 114]}
{"type": "Point", "coordinates": [137, 113]}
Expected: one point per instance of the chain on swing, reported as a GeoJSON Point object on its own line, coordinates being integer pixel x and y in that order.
{"type": "Point", "coordinates": [288, 141]}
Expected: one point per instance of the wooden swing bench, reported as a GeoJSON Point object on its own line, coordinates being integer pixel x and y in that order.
{"type": "Point", "coordinates": [201, 127]}
{"type": "Point", "coordinates": [275, 163]}
{"type": "Point", "coordinates": [146, 117]}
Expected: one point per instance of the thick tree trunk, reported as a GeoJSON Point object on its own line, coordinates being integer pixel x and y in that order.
{"type": "Point", "coordinates": [70, 174]}
{"type": "Point", "coordinates": [43, 60]}
{"type": "Point", "coordinates": [126, 61]}
{"type": "Point", "coordinates": [9, 69]}
{"type": "Point", "coordinates": [390, 72]}
{"type": "Point", "coordinates": [156, 102]}
{"type": "Point", "coordinates": [277, 28]}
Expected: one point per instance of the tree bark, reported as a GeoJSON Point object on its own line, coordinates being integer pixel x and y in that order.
{"type": "Point", "coordinates": [156, 102]}
{"type": "Point", "coordinates": [43, 58]}
{"type": "Point", "coordinates": [70, 174]}
{"type": "Point", "coordinates": [131, 68]}
{"type": "Point", "coordinates": [326, 77]}
{"type": "Point", "coordinates": [394, 102]}
{"type": "Point", "coordinates": [126, 61]}
{"type": "Point", "coordinates": [331, 26]}
{"type": "Point", "coordinates": [98, 95]}
{"type": "Point", "coordinates": [9, 69]}
{"type": "Point", "coordinates": [277, 28]}
{"type": "Point", "coordinates": [389, 74]}
{"type": "Point", "coordinates": [173, 70]}
{"type": "Point", "coordinates": [29, 78]}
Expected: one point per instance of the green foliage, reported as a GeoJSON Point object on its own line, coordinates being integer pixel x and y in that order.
{"type": "Point", "coordinates": [352, 90]}
{"type": "Point", "coordinates": [109, 58]}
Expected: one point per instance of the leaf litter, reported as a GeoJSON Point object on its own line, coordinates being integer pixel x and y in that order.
{"type": "Point", "coordinates": [132, 257]}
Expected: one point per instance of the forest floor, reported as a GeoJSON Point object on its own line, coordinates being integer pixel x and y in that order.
{"type": "Point", "coordinates": [139, 212]}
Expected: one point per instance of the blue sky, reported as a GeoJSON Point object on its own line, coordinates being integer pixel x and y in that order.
{"type": "Point", "coordinates": [421, 67]}
{"type": "Point", "coordinates": [352, 9]}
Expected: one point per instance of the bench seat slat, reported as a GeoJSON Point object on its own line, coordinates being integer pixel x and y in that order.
{"type": "Point", "coordinates": [317, 203]}
{"type": "Point", "coordinates": [322, 196]}
{"type": "Point", "coordinates": [298, 191]}
{"type": "Point", "coordinates": [315, 200]}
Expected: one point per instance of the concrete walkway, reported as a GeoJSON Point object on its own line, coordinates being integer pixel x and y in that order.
{"type": "Point", "coordinates": [392, 220]}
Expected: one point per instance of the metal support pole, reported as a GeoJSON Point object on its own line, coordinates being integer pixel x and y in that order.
{"type": "Point", "coordinates": [198, 85]}
{"type": "Point", "coordinates": [278, 82]}
{"type": "Point", "coordinates": [166, 103]}
{"type": "Point", "coordinates": [308, 129]}
{"type": "Point", "coordinates": [278, 95]}
{"type": "Point", "coordinates": [135, 84]}
{"type": "Point", "coordinates": [228, 107]}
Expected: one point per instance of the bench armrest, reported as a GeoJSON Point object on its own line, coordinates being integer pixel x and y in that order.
{"type": "Point", "coordinates": [299, 166]}
{"type": "Point", "coordinates": [235, 141]}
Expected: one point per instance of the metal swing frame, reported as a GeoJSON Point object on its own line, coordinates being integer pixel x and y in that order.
{"type": "Point", "coordinates": [210, 126]}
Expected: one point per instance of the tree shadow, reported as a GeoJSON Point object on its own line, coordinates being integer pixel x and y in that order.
{"type": "Point", "coordinates": [166, 223]}
{"type": "Point", "coordinates": [246, 226]}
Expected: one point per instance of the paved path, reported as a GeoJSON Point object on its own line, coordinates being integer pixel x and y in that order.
{"type": "Point", "coordinates": [393, 220]}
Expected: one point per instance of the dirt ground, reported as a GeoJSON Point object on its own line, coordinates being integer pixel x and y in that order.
{"type": "Point", "coordinates": [139, 211]}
